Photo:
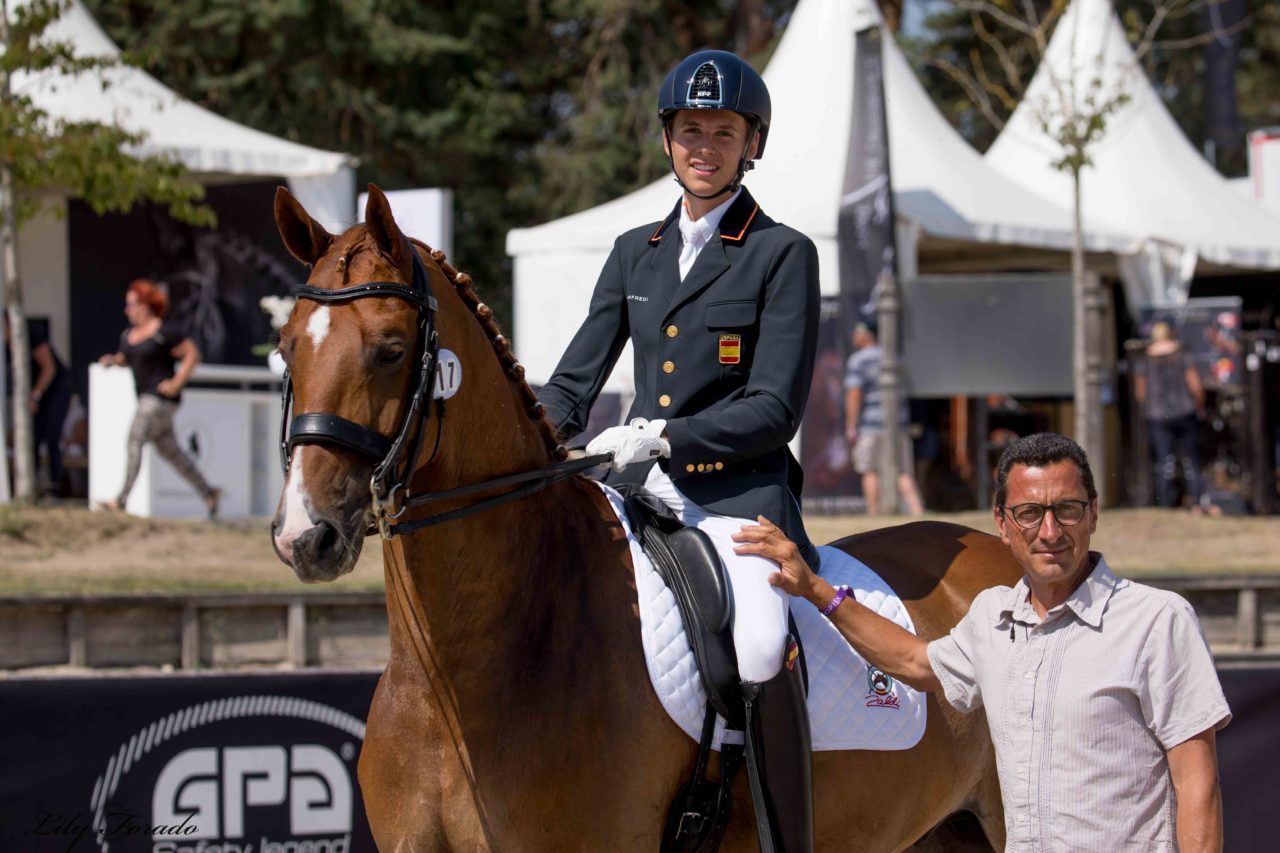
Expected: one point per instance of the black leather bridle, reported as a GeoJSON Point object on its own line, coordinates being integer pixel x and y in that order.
{"type": "Point", "coordinates": [390, 477]}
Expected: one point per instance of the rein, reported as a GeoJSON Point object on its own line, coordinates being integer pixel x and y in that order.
{"type": "Point", "coordinates": [533, 482]}
{"type": "Point", "coordinates": [323, 428]}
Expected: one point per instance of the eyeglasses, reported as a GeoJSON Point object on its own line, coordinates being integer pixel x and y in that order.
{"type": "Point", "coordinates": [1029, 516]}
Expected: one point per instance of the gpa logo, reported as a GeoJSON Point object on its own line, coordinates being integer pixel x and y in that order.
{"type": "Point", "coordinates": [209, 790]}
{"type": "Point", "coordinates": [248, 774]}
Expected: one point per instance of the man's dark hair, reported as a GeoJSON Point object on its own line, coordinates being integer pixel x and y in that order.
{"type": "Point", "coordinates": [1038, 451]}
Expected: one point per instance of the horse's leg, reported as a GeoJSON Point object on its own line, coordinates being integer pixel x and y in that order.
{"type": "Point", "coordinates": [388, 770]}
{"type": "Point", "coordinates": [415, 775]}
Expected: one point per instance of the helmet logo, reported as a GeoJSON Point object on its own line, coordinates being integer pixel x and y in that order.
{"type": "Point", "coordinates": [705, 85]}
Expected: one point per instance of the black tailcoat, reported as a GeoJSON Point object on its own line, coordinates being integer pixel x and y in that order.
{"type": "Point", "coordinates": [725, 357]}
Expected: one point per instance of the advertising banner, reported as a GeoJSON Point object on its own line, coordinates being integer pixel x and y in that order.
{"type": "Point", "coordinates": [267, 763]}
{"type": "Point", "coordinates": [180, 764]}
{"type": "Point", "coordinates": [865, 233]}
{"type": "Point", "coordinates": [866, 227]}
{"type": "Point", "coordinates": [1209, 329]}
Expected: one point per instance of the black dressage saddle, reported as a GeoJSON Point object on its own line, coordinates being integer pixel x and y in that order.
{"type": "Point", "coordinates": [687, 561]}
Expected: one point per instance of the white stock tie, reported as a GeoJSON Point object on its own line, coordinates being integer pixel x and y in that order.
{"type": "Point", "coordinates": [694, 238]}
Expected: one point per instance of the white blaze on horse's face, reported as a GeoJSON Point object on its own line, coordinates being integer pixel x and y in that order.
{"type": "Point", "coordinates": [297, 519]}
{"type": "Point", "coordinates": [318, 326]}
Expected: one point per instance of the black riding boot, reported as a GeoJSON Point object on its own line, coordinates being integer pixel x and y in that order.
{"type": "Point", "coordinates": [780, 756]}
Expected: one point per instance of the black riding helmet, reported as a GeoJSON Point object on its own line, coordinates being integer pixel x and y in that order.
{"type": "Point", "coordinates": [717, 80]}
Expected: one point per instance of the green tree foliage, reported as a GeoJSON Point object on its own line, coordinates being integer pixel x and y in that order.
{"type": "Point", "coordinates": [527, 110]}
{"type": "Point", "coordinates": [87, 159]}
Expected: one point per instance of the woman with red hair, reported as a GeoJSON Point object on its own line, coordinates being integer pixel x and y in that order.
{"type": "Point", "coordinates": [150, 346]}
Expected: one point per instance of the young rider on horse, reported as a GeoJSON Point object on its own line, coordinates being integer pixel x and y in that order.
{"type": "Point", "coordinates": [721, 305]}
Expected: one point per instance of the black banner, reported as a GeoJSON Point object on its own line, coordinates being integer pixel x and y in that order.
{"type": "Point", "coordinates": [267, 763]}
{"type": "Point", "coordinates": [825, 455]}
{"type": "Point", "coordinates": [866, 226]}
{"type": "Point", "coordinates": [865, 234]}
{"type": "Point", "coordinates": [215, 278]}
{"type": "Point", "coordinates": [1249, 757]}
{"type": "Point", "coordinates": [179, 764]}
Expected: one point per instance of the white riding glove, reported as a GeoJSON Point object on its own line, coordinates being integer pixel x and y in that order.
{"type": "Point", "coordinates": [639, 441]}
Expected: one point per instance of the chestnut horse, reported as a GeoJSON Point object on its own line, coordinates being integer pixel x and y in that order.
{"type": "Point", "coordinates": [515, 712]}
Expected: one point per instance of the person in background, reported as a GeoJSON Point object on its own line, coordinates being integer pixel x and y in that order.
{"type": "Point", "coordinates": [1100, 693]}
{"type": "Point", "coordinates": [1172, 399]}
{"type": "Point", "coordinates": [149, 347]}
{"type": "Point", "coordinates": [50, 397]}
{"type": "Point", "coordinates": [864, 425]}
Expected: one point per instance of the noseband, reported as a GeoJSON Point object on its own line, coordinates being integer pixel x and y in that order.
{"type": "Point", "coordinates": [389, 477]}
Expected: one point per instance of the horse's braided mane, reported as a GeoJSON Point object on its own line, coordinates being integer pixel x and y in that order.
{"type": "Point", "coordinates": [501, 346]}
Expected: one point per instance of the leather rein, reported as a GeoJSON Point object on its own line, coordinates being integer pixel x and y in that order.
{"type": "Point", "coordinates": [390, 477]}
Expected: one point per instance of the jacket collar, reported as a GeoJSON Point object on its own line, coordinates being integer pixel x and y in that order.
{"type": "Point", "coordinates": [734, 227]}
{"type": "Point", "coordinates": [1088, 602]}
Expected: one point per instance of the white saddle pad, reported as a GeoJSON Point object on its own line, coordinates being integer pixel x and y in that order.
{"type": "Point", "coordinates": [851, 705]}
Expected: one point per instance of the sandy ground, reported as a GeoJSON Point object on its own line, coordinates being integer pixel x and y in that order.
{"type": "Point", "coordinates": [69, 549]}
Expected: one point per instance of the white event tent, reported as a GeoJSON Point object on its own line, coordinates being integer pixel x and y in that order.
{"type": "Point", "coordinates": [1145, 174]}
{"type": "Point", "coordinates": [947, 198]}
{"type": "Point", "coordinates": [213, 149]}
{"type": "Point", "coordinates": [206, 143]}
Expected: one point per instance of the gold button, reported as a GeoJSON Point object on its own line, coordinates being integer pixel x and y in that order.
{"type": "Point", "coordinates": [704, 467]}
{"type": "Point", "coordinates": [664, 400]}
{"type": "Point", "coordinates": [719, 466]}
{"type": "Point", "coordinates": [690, 468]}
{"type": "Point", "coordinates": [668, 367]}
{"type": "Point", "coordinates": [672, 331]}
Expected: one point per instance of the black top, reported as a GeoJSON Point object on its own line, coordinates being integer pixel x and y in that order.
{"type": "Point", "coordinates": [1168, 396]}
{"type": "Point", "coordinates": [37, 334]}
{"type": "Point", "coordinates": [152, 360]}
{"type": "Point", "coordinates": [725, 356]}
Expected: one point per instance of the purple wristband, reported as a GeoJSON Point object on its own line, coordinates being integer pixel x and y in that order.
{"type": "Point", "coordinates": [842, 592]}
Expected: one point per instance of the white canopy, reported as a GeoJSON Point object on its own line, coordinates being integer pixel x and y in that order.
{"type": "Point", "coordinates": [203, 141]}
{"type": "Point", "coordinates": [1145, 174]}
{"type": "Point", "coordinates": [942, 187]}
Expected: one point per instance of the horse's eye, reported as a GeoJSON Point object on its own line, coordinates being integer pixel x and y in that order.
{"type": "Point", "coordinates": [390, 355]}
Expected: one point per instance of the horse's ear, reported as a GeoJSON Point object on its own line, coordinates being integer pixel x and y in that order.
{"type": "Point", "coordinates": [382, 226]}
{"type": "Point", "coordinates": [305, 238]}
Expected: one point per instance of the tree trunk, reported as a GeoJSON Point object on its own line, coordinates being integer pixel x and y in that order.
{"type": "Point", "coordinates": [1086, 339]}
{"type": "Point", "coordinates": [20, 346]}
{"type": "Point", "coordinates": [24, 487]}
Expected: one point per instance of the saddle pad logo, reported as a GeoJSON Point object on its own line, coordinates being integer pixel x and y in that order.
{"type": "Point", "coordinates": [730, 349]}
{"type": "Point", "coordinates": [879, 689]}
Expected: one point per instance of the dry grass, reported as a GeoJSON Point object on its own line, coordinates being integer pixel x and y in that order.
{"type": "Point", "coordinates": [1135, 541]}
{"type": "Point", "coordinates": [66, 549]}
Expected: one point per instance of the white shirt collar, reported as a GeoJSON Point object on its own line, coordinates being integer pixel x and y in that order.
{"type": "Point", "coordinates": [707, 225]}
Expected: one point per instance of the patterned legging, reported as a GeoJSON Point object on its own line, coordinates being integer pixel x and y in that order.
{"type": "Point", "coordinates": [154, 423]}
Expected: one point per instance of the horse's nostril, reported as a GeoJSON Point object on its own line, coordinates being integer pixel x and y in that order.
{"type": "Point", "coordinates": [328, 538]}
{"type": "Point", "coordinates": [318, 543]}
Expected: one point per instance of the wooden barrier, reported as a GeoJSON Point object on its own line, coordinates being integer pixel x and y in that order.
{"type": "Point", "coordinates": [211, 631]}
{"type": "Point", "coordinates": [1240, 615]}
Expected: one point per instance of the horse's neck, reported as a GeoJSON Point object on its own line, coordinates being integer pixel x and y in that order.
{"type": "Point", "coordinates": [500, 604]}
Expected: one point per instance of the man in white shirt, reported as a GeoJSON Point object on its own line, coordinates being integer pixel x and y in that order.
{"type": "Point", "coordinates": [1100, 693]}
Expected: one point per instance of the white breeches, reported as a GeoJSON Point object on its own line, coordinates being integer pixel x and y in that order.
{"type": "Point", "coordinates": [759, 610]}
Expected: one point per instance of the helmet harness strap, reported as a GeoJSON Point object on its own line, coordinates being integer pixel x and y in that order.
{"type": "Point", "coordinates": [744, 165]}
